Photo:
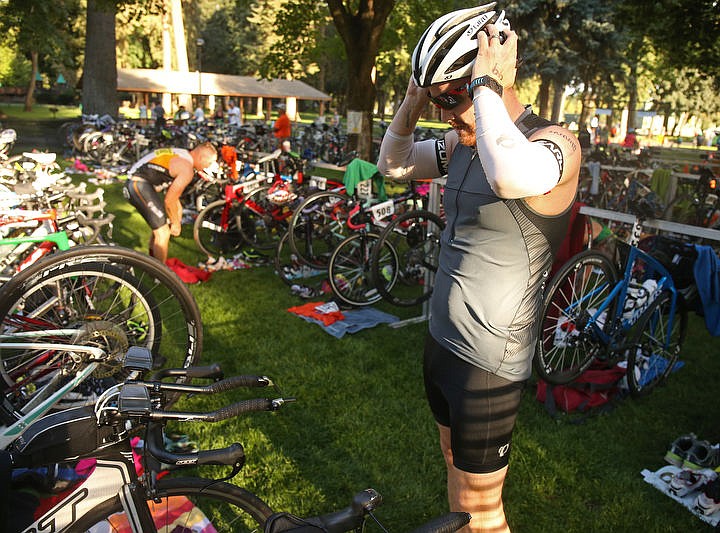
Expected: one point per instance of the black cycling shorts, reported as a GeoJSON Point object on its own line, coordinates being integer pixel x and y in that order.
{"type": "Point", "coordinates": [479, 407]}
{"type": "Point", "coordinates": [147, 201]}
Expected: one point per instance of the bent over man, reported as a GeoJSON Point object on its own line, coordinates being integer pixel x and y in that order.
{"type": "Point", "coordinates": [171, 168]}
{"type": "Point", "coordinates": [511, 181]}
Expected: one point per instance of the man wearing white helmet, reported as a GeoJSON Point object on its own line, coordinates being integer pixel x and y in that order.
{"type": "Point", "coordinates": [511, 181]}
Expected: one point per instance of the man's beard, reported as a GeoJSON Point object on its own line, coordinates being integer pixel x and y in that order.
{"type": "Point", "coordinates": [466, 133]}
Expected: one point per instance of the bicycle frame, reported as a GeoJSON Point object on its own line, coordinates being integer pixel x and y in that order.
{"type": "Point", "coordinates": [46, 231]}
{"type": "Point", "coordinates": [618, 325]}
{"type": "Point", "coordinates": [40, 406]}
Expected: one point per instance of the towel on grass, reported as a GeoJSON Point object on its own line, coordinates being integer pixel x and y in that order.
{"type": "Point", "coordinates": [352, 321]}
{"type": "Point", "coordinates": [187, 273]}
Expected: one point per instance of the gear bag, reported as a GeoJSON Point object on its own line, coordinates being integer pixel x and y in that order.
{"type": "Point", "coordinates": [593, 390]}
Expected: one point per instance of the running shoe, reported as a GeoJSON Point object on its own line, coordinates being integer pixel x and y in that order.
{"type": "Point", "coordinates": [687, 481]}
{"type": "Point", "coordinates": [702, 455]}
{"type": "Point", "coordinates": [679, 449]}
{"type": "Point", "coordinates": [708, 501]}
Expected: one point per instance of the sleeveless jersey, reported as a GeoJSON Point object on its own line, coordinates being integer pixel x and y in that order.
{"type": "Point", "coordinates": [154, 166]}
{"type": "Point", "coordinates": [495, 258]}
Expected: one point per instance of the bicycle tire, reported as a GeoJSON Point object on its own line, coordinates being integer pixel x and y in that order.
{"type": "Point", "coordinates": [110, 295]}
{"type": "Point", "coordinates": [317, 227]}
{"type": "Point", "coordinates": [175, 337]}
{"type": "Point", "coordinates": [349, 270]}
{"type": "Point", "coordinates": [210, 235]}
{"type": "Point", "coordinates": [260, 225]}
{"type": "Point", "coordinates": [228, 507]}
{"type": "Point", "coordinates": [415, 236]}
{"type": "Point", "coordinates": [566, 346]}
{"type": "Point", "coordinates": [654, 350]}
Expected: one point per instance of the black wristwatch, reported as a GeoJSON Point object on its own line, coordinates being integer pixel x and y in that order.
{"type": "Point", "coordinates": [484, 81]}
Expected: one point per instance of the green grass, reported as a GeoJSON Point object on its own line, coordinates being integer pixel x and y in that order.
{"type": "Point", "coordinates": [361, 420]}
{"type": "Point", "coordinates": [40, 112]}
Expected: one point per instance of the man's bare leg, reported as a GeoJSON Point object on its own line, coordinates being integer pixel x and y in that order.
{"type": "Point", "coordinates": [477, 494]}
{"type": "Point", "coordinates": [160, 242]}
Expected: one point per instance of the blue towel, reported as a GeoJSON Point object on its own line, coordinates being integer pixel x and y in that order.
{"type": "Point", "coordinates": [707, 279]}
{"type": "Point", "coordinates": [355, 320]}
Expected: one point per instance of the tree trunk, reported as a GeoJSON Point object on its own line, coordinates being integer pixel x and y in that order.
{"type": "Point", "coordinates": [558, 100]}
{"type": "Point", "coordinates": [99, 93]}
{"type": "Point", "coordinates": [361, 33]}
{"type": "Point", "coordinates": [544, 97]}
{"type": "Point", "coordinates": [29, 98]}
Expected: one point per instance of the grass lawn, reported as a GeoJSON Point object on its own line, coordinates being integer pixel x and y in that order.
{"type": "Point", "coordinates": [361, 419]}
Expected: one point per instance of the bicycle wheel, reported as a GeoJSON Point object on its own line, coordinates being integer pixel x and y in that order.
{"type": "Point", "coordinates": [415, 236]}
{"type": "Point", "coordinates": [104, 296]}
{"type": "Point", "coordinates": [655, 347]}
{"type": "Point", "coordinates": [182, 503]}
{"type": "Point", "coordinates": [566, 343]}
{"type": "Point", "coordinates": [349, 269]}
{"type": "Point", "coordinates": [216, 230]}
{"type": "Point", "coordinates": [261, 222]}
{"type": "Point", "coordinates": [318, 226]}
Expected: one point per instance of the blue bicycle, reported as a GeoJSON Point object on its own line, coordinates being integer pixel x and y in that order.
{"type": "Point", "coordinates": [590, 314]}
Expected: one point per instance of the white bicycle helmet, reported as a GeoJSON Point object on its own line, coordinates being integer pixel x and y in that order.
{"type": "Point", "coordinates": [448, 48]}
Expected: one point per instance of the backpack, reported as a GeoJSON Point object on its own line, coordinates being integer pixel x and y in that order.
{"type": "Point", "coordinates": [593, 391]}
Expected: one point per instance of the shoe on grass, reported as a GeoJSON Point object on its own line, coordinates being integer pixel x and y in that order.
{"type": "Point", "coordinates": [679, 449]}
{"type": "Point", "coordinates": [708, 501]}
{"type": "Point", "coordinates": [687, 481]}
{"type": "Point", "coordinates": [702, 455]}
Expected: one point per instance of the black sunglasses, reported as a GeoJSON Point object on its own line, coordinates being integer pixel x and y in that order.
{"type": "Point", "coordinates": [449, 99]}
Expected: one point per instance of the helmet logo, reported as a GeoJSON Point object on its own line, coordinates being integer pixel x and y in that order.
{"type": "Point", "coordinates": [479, 24]}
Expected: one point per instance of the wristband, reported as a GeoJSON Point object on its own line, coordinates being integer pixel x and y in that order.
{"type": "Point", "coordinates": [484, 81]}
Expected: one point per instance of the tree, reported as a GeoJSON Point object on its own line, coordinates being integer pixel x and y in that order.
{"type": "Point", "coordinates": [40, 30]}
{"type": "Point", "coordinates": [99, 80]}
{"type": "Point", "coordinates": [360, 30]}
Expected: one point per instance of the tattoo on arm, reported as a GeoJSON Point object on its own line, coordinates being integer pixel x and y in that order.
{"type": "Point", "coordinates": [572, 142]}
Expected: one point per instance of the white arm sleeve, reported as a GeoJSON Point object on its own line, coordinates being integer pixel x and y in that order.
{"type": "Point", "coordinates": [515, 167]}
{"type": "Point", "coordinates": [403, 159]}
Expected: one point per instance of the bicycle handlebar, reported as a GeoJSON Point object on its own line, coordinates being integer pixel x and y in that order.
{"type": "Point", "coordinates": [229, 411]}
{"type": "Point", "coordinates": [445, 524]}
{"type": "Point", "coordinates": [233, 455]}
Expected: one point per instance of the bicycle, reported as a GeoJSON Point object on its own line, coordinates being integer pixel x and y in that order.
{"type": "Point", "coordinates": [103, 296]}
{"type": "Point", "coordinates": [591, 313]}
{"type": "Point", "coordinates": [114, 496]}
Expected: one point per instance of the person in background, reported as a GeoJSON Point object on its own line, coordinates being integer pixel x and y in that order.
{"type": "Point", "coordinates": [171, 168]}
{"type": "Point", "coordinates": [219, 115]}
{"type": "Point", "coordinates": [143, 113]}
{"type": "Point", "coordinates": [158, 115]}
{"type": "Point", "coordinates": [630, 141]}
{"type": "Point", "coordinates": [281, 127]}
{"type": "Point", "coordinates": [199, 114]}
{"type": "Point", "coordinates": [511, 183]}
{"type": "Point", "coordinates": [234, 114]}
{"type": "Point", "coordinates": [181, 116]}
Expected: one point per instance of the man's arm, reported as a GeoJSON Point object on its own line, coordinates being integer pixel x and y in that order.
{"type": "Point", "coordinates": [182, 172]}
{"type": "Point", "coordinates": [517, 167]}
{"type": "Point", "coordinates": [401, 158]}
